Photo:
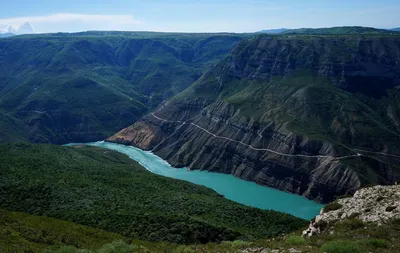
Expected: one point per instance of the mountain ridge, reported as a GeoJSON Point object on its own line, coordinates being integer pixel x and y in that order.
{"type": "Point", "coordinates": [338, 30]}
{"type": "Point", "coordinates": [69, 88]}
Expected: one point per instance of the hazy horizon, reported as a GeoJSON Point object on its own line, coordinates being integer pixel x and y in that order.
{"type": "Point", "coordinates": [201, 16]}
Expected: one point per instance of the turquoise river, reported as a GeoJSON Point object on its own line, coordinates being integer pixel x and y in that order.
{"type": "Point", "coordinates": [238, 190]}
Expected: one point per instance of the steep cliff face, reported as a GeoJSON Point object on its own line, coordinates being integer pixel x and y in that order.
{"type": "Point", "coordinates": [299, 113]}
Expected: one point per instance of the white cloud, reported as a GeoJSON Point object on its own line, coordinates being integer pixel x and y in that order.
{"type": "Point", "coordinates": [24, 28]}
{"type": "Point", "coordinates": [71, 22]}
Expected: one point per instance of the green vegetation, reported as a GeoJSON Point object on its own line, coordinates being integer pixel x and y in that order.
{"type": "Point", "coordinates": [376, 243]}
{"type": "Point", "coordinates": [295, 240]}
{"type": "Point", "coordinates": [107, 190]}
{"type": "Point", "coordinates": [27, 233]}
{"type": "Point", "coordinates": [351, 224]}
{"type": "Point", "coordinates": [341, 247]}
{"type": "Point", "coordinates": [332, 207]}
{"type": "Point", "coordinates": [83, 87]}
{"type": "Point", "coordinates": [114, 247]}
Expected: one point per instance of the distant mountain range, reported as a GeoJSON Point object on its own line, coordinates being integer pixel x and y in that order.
{"type": "Point", "coordinates": [332, 30]}
{"type": "Point", "coordinates": [5, 35]}
{"type": "Point", "coordinates": [274, 31]}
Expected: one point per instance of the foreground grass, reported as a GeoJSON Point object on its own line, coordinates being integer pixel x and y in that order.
{"type": "Point", "coordinates": [21, 232]}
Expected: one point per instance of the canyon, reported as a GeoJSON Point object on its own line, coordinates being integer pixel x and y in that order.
{"type": "Point", "coordinates": [312, 115]}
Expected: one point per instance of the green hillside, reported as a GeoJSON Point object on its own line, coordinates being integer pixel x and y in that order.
{"type": "Point", "coordinates": [107, 190]}
{"type": "Point", "coordinates": [85, 86]}
{"type": "Point", "coordinates": [12, 129]}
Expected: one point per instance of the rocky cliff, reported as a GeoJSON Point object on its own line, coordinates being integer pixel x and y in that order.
{"type": "Point", "coordinates": [312, 115]}
{"type": "Point", "coordinates": [378, 204]}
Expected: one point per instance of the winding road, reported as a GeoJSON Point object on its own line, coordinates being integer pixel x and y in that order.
{"type": "Point", "coordinates": [332, 158]}
{"type": "Point", "coordinates": [270, 150]}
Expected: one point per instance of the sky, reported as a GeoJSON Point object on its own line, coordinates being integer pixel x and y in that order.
{"type": "Point", "coordinates": [197, 16]}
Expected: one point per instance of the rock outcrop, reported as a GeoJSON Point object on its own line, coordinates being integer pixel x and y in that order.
{"type": "Point", "coordinates": [376, 204]}
{"type": "Point", "coordinates": [268, 250]}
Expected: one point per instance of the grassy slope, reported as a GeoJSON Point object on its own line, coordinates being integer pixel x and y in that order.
{"type": "Point", "coordinates": [21, 232]}
{"type": "Point", "coordinates": [86, 86]}
{"type": "Point", "coordinates": [107, 190]}
{"type": "Point", "coordinates": [321, 102]}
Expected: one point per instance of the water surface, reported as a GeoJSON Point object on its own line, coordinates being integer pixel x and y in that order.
{"type": "Point", "coordinates": [238, 190]}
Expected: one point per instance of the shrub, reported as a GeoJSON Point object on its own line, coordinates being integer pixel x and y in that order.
{"type": "Point", "coordinates": [184, 249]}
{"type": "Point", "coordinates": [239, 243]}
{"type": "Point", "coordinates": [117, 247]}
{"type": "Point", "coordinates": [322, 224]}
{"type": "Point", "coordinates": [69, 249]}
{"type": "Point", "coordinates": [395, 222]}
{"type": "Point", "coordinates": [354, 215]}
{"type": "Point", "coordinates": [390, 208]}
{"type": "Point", "coordinates": [350, 224]}
{"type": "Point", "coordinates": [345, 196]}
{"type": "Point", "coordinates": [295, 240]}
{"type": "Point", "coordinates": [332, 207]}
{"type": "Point", "coordinates": [114, 247]}
{"type": "Point", "coordinates": [236, 244]}
{"type": "Point", "coordinates": [376, 243]}
{"type": "Point", "coordinates": [340, 247]}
